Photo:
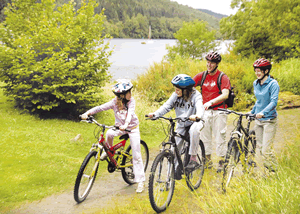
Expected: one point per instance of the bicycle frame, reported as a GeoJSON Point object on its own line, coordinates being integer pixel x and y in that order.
{"type": "Point", "coordinates": [118, 159]}
{"type": "Point", "coordinates": [111, 150]}
{"type": "Point", "coordinates": [165, 171]}
{"type": "Point", "coordinates": [173, 144]}
{"type": "Point", "coordinates": [240, 130]}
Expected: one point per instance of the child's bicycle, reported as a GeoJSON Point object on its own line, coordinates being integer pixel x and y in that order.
{"type": "Point", "coordinates": [117, 159]}
{"type": "Point", "coordinates": [241, 147]}
{"type": "Point", "coordinates": [162, 176]}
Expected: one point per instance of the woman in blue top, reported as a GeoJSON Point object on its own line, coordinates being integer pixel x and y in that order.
{"type": "Point", "coordinates": [266, 90]}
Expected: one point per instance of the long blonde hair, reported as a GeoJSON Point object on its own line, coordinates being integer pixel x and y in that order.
{"type": "Point", "coordinates": [120, 103]}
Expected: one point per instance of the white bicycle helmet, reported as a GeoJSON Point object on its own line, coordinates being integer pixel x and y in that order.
{"type": "Point", "coordinates": [122, 87]}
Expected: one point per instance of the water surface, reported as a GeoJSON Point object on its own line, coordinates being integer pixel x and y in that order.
{"type": "Point", "coordinates": [130, 57]}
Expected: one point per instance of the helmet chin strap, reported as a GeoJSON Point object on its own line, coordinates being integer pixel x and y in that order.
{"type": "Point", "coordinates": [265, 74]}
{"type": "Point", "coordinates": [213, 70]}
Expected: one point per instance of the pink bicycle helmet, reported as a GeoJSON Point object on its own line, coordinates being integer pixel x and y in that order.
{"type": "Point", "coordinates": [213, 57]}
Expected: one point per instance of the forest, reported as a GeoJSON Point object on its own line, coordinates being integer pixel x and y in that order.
{"type": "Point", "coordinates": [132, 18]}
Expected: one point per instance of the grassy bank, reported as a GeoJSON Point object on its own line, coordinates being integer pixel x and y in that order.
{"type": "Point", "coordinates": [260, 193]}
{"type": "Point", "coordinates": [40, 157]}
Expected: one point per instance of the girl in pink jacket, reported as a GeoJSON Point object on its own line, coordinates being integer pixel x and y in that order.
{"type": "Point", "coordinates": [123, 106]}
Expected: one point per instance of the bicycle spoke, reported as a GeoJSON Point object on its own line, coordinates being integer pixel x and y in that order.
{"type": "Point", "coordinates": [127, 170]}
{"type": "Point", "coordinates": [231, 160]}
{"type": "Point", "coordinates": [194, 178]}
{"type": "Point", "coordinates": [86, 177]}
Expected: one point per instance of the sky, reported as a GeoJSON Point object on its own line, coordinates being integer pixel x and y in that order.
{"type": "Point", "coordinates": [217, 6]}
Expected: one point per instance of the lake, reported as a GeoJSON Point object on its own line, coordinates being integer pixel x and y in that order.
{"type": "Point", "coordinates": [130, 57]}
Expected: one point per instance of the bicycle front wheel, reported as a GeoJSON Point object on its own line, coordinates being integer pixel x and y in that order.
{"type": "Point", "coordinates": [194, 178]}
{"type": "Point", "coordinates": [161, 181]}
{"type": "Point", "coordinates": [231, 160]}
{"type": "Point", "coordinates": [127, 172]}
{"type": "Point", "coordinates": [86, 177]}
{"type": "Point", "coordinates": [250, 146]}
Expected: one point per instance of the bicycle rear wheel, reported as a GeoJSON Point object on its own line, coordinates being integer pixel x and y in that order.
{"type": "Point", "coordinates": [127, 172]}
{"type": "Point", "coordinates": [161, 181]}
{"type": "Point", "coordinates": [231, 160]}
{"type": "Point", "coordinates": [86, 177]}
{"type": "Point", "coordinates": [194, 178]}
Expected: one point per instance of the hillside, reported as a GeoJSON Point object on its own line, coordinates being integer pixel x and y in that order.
{"type": "Point", "coordinates": [217, 15]}
{"type": "Point", "coordinates": [132, 18]}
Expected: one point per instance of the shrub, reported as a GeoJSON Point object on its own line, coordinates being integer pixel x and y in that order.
{"type": "Point", "coordinates": [156, 85]}
{"type": "Point", "coordinates": [287, 75]}
{"type": "Point", "coordinates": [53, 60]}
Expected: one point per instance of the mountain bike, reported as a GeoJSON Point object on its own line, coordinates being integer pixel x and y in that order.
{"type": "Point", "coordinates": [162, 176]}
{"type": "Point", "coordinates": [241, 148]}
{"type": "Point", "coordinates": [118, 159]}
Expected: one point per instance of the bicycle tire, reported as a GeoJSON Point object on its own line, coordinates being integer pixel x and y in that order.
{"type": "Point", "coordinates": [127, 172]}
{"type": "Point", "coordinates": [86, 177]}
{"type": "Point", "coordinates": [231, 160]}
{"type": "Point", "coordinates": [250, 150]}
{"type": "Point", "coordinates": [162, 181]}
{"type": "Point", "coordinates": [194, 178]}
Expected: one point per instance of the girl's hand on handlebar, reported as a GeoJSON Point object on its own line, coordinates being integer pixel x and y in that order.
{"type": "Point", "coordinates": [84, 116]}
{"type": "Point", "coordinates": [123, 127]}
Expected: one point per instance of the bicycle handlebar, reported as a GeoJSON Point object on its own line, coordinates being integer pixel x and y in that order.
{"type": "Point", "coordinates": [91, 119]}
{"type": "Point", "coordinates": [251, 116]}
{"type": "Point", "coordinates": [183, 119]}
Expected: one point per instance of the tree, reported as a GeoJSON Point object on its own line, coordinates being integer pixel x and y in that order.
{"type": "Point", "coordinates": [262, 28]}
{"type": "Point", "coordinates": [194, 39]}
{"type": "Point", "coordinates": [53, 61]}
{"type": "Point", "coordinates": [3, 4]}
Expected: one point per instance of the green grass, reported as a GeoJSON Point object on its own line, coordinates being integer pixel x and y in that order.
{"type": "Point", "coordinates": [259, 193]}
{"type": "Point", "coordinates": [39, 158]}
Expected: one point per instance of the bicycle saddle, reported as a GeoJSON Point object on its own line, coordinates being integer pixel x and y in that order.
{"type": "Point", "coordinates": [124, 136]}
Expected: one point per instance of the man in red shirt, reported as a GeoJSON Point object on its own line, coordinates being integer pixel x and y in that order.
{"type": "Point", "coordinates": [213, 98]}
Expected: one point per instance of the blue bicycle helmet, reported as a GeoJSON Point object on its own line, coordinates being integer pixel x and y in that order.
{"type": "Point", "coordinates": [183, 81]}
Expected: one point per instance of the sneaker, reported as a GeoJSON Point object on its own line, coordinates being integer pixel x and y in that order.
{"type": "Point", "coordinates": [140, 187]}
{"type": "Point", "coordinates": [178, 173]}
{"type": "Point", "coordinates": [220, 166]}
{"type": "Point", "coordinates": [103, 155]}
{"type": "Point", "coordinates": [192, 165]}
